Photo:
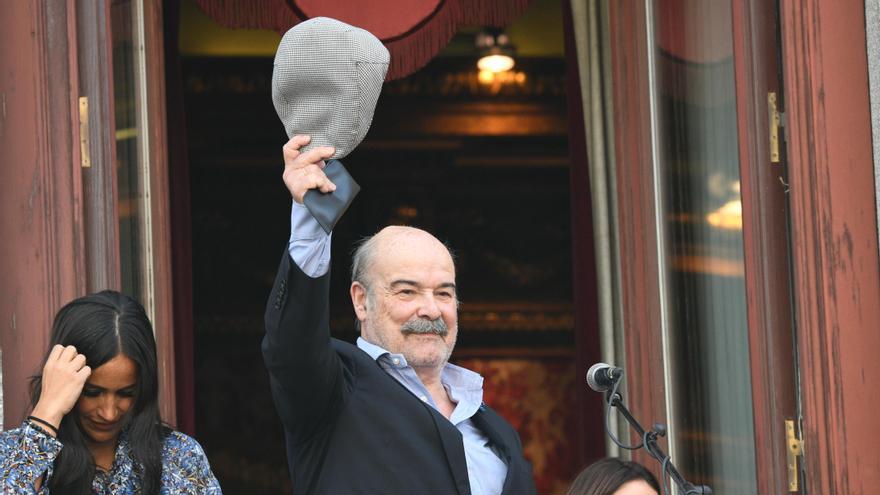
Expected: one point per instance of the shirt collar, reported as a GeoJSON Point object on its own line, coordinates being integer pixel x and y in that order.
{"type": "Point", "coordinates": [464, 386]}
{"type": "Point", "coordinates": [373, 350]}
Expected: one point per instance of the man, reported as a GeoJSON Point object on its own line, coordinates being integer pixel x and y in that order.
{"type": "Point", "coordinates": [389, 415]}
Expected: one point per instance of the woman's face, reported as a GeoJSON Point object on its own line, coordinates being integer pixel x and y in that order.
{"type": "Point", "coordinates": [106, 398]}
{"type": "Point", "coordinates": [635, 487]}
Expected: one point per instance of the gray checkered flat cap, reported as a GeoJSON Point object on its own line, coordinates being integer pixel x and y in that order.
{"type": "Point", "coordinates": [326, 81]}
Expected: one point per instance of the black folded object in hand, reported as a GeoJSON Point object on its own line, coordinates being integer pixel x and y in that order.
{"type": "Point", "coordinates": [327, 208]}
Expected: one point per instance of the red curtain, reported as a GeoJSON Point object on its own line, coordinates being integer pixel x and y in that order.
{"type": "Point", "coordinates": [412, 30]}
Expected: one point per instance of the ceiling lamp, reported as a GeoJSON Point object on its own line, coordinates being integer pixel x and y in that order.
{"type": "Point", "coordinates": [496, 51]}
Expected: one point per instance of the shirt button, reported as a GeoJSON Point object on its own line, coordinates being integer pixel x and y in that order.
{"type": "Point", "coordinates": [424, 398]}
{"type": "Point", "coordinates": [396, 361]}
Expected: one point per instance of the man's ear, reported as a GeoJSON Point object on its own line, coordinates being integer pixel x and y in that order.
{"type": "Point", "coordinates": [359, 300]}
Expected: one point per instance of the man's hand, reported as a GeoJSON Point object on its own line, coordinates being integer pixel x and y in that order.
{"type": "Point", "coordinates": [64, 375]}
{"type": "Point", "coordinates": [304, 171]}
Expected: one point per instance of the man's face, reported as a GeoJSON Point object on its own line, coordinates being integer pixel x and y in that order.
{"type": "Point", "coordinates": [410, 306]}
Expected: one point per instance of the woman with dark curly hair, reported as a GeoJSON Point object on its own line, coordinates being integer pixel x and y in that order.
{"type": "Point", "coordinates": [612, 476]}
{"type": "Point", "coordinates": [95, 425]}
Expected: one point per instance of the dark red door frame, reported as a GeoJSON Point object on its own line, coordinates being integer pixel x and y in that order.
{"type": "Point", "coordinates": [161, 251]}
{"type": "Point", "coordinates": [41, 218]}
{"type": "Point", "coordinates": [59, 220]}
{"type": "Point", "coordinates": [637, 216]}
{"type": "Point", "coordinates": [765, 241]}
{"type": "Point", "coordinates": [835, 249]}
{"type": "Point", "coordinates": [836, 270]}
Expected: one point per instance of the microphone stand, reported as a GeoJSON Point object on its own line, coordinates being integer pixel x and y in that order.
{"type": "Point", "coordinates": [649, 438]}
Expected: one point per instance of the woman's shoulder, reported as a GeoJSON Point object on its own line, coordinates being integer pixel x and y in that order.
{"type": "Point", "coordinates": [178, 445]}
{"type": "Point", "coordinates": [185, 467]}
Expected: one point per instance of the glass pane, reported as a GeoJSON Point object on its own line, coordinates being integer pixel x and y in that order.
{"type": "Point", "coordinates": [131, 186]}
{"type": "Point", "coordinates": [710, 383]}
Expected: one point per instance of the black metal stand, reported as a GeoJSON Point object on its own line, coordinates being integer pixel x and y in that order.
{"type": "Point", "coordinates": [649, 438]}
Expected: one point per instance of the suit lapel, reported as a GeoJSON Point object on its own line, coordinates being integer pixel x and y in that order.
{"type": "Point", "coordinates": [450, 437]}
{"type": "Point", "coordinates": [453, 445]}
{"type": "Point", "coordinates": [483, 421]}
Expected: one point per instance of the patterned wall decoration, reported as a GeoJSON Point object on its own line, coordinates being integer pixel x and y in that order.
{"type": "Point", "coordinates": [535, 396]}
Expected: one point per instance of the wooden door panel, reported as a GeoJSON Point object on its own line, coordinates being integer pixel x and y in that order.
{"type": "Point", "coordinates": [766, 245]}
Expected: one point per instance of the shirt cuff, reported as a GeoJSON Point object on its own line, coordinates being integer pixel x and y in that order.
{"type": "Point", "coordinates": [39, 448]}
{"type": "Point", "coordinates": [309, 245]}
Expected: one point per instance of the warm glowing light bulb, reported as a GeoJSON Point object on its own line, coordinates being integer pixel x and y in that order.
{"type": "Point", "coordinates": [486, 76]}
{"type": "Point", "coordinates": [496, 63]}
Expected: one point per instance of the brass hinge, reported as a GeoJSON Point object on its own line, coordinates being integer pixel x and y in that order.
{"type": "Point", "coordinates": [86, 160]}
{"type": "Point", "coordinates": [776, 121]}
{"type": "Point", "coordinates": [794, 450]}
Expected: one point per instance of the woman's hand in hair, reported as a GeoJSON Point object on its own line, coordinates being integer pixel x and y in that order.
{"type": "Point", "coordinates": [64, 376]}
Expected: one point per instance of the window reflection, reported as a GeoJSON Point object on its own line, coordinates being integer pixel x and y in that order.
{"type": "Point", "coordinates": [711, 402]}
{"type": "Point", "coordinates": [132, 190]}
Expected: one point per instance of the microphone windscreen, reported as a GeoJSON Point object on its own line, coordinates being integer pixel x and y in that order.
{"type": "Point", "coordinates": [593, 381]}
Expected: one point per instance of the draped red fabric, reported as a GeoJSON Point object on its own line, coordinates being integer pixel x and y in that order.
{"type": "Point", "coordinates": [412, 30]}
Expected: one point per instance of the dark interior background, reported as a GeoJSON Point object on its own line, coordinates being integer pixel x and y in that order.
{"type": "Point", "coordinates": [482, 166]}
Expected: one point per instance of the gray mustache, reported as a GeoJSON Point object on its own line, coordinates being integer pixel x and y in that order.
{"type": "Point", "coordinates": [422, 326]}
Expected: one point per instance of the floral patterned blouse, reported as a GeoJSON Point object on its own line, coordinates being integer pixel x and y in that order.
{"type": "Point", "coordinates": [28, 451]}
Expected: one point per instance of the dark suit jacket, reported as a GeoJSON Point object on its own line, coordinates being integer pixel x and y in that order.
{"type": "Point", "coordinates": [350, 427]}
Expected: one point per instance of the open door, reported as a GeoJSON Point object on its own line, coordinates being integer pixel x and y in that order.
{"type": "Point", "coordinates": [84, 174]}
{"type": "Point", "coordinates": [705, 249]}
{"type": "Point", "coordinates": [767, 245]}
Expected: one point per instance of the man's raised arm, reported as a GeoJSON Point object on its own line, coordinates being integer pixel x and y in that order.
{"type": "Point", "coordinates": [305, 373]}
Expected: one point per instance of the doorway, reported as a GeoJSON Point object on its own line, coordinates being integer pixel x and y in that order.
{"type": "Point", "coordinates": [484, 166]}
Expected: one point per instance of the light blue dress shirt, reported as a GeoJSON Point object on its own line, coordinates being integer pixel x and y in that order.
{"type": "Point", "coordinates": [309, 248]}
{"type": "Point", "coordinates": [309, 245]}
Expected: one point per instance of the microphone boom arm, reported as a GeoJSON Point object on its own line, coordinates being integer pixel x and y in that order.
{"type": "Point", "coordinates": [649, 439]}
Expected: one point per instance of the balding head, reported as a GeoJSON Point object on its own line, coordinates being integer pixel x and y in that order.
{"type": "Point", "coordinates": [390, 242]}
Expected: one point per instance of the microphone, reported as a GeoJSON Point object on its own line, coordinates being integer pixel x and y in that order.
{"type": "Point", "coordinates": [602, 377]}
